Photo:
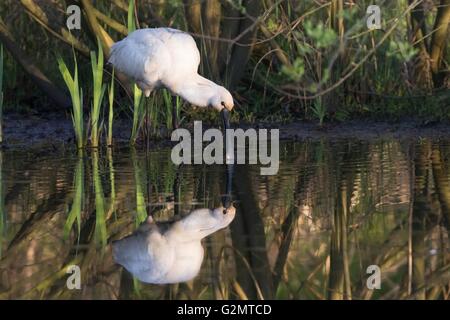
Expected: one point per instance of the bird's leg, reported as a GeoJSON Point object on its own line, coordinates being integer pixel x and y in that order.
{"type": "Point", "coordinates": [149, 185]}
{"type": "Point", "coordinates": [227, 200]}
{"type": "Point", "coordinates": [226, 125]}
{"type": "Point", "coordinates": [147, 124]}
{"type": "Point", "coordinates": [226, 118]}
{"type": "Point", "coordinates": [174, 113]}
{"type": "Point", "coordinates": [176, 191]}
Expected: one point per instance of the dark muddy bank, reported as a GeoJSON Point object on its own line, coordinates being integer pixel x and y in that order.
{"type": "Point", "coordinates": [56, 131]}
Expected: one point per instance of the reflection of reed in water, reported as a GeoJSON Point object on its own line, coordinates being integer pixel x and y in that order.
{"type": "Point", "coordinates": [77, 203]}
{"type": "Point", "coordinates": [290, 238]}
{"type": "Point", "coordinates": [141, 208]}
{"type": "Point", "coordinates": [100, 206]}
{"type": "Point", "coordinates": [339, 285]}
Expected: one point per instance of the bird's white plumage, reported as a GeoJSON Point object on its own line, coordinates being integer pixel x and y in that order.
{"type": "Point", "coordinates": [165, 57]}
{"type": "Point", "coordinates": [172, 254]}
{"type": "Point", "coordinates": [150, 57]}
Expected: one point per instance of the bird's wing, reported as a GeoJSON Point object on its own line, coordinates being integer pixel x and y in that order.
{"type": "Point", "coordinates": [157, 57]}
{"type": "Point", "coordinates": [141, 56]}
{"type": "Point", "coordinates": [147, 255]}
{"type": "Point", "coordinates": [184, 54]}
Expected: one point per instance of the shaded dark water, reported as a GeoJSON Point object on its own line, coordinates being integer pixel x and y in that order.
{"type": "Point", "coordinates": [311, 232]}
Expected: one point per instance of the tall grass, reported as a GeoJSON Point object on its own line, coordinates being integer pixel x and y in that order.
{"type": "Point", "coordinates": [152, 118]}
{"type": "Point", "coordinates": [98, 93]}
{"type": "Point", "coordinates": [303, 52]}
{"type": "Point", "coordinates": [1, 93]}
{"type": "Point", "coordinates": [319, 110]}
{"type": "Point", "coordinates": [131, 22]}
{"type": "Point", "coordinates": [109, 139]}
{"type": "Point", "coordinates": [138, 113]}
{"type": "Point", "coordinates": [76, 94]}
{"type": "Point", "coordinates": [169, 110]}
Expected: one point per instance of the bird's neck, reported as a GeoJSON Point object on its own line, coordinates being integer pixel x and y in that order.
{"type": "Point", "coordinates": [197, 90]}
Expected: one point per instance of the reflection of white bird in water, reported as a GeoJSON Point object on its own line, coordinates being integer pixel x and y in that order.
{"type": "Point", "coordinates": [164, 57]}
{"type": "Point", "coordinates": [173, 253]}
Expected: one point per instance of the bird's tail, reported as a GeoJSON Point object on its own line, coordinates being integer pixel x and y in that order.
{"type": "Point", "coordinates": [123, 249]}
{"type": "Point", "coordinates": [115, 53]}
{"type": "Point", "coordinates": [125, 59]}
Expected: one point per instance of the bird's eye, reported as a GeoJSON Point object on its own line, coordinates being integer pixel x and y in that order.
{"type": "Point", "coordinates": [222, 103]}
{"type": "Point", "coordinates": [224, 211]}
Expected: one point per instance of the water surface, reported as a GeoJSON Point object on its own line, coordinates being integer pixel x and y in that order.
{"type": "Point", "coordinates": [334, 209]}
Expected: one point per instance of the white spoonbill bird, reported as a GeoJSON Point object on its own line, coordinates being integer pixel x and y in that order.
{"type": "Point", "coordinates": [169, 58]}
{"type": "Point", "coordinates": [170, 252]}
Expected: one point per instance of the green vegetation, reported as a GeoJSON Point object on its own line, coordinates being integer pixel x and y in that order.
{"type": "Point", "coordinates": [98, 93]}
{"type": "Point", "coordinates": [138, 113]}
{"type": "Point", "coordinates": [74, 214]}
{"type": "Point", "coordinates": [296, 54]}
{"type": "Point", "coordinates": [100, 205]}
{"type": "Point", "coordinates": [170, 110]}
{"type": "Point", "coordinates": [109, 139]}
{"type": "Point", "coordinates": [138, 98]}
{"type": "Point", "coordinates": [308, 233]}
{"type": "Point", "coordinates": [319, 111]}
{"type": "Point", "coordinates": [312, 234]}
{"type": "Point", "coordinates": [76, 93]}
{"type": "Point", "coordinates": [141, 208]}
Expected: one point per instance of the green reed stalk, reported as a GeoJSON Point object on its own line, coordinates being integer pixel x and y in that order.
{"type": "Point", "coordinates": [169, 110]}
{"type": "Point", "coordinates": [168, 104]}
{"type": "Point", "coordinates": [111, 111]}
{"type": "Point", "coordinates": [131, 23]}
{"type": "Point", "coordinates": [138, 114]}
{"type": "Point", "coordinates": [320, 111]}
{"type": "Point", "coordinates": [138, 101]}
{"type": "Point", "coordinates": [99, 91]}
{"type": "Point", "coordinates": [76, 94]}
{"type": "Point", "coordinates": [178, 110]}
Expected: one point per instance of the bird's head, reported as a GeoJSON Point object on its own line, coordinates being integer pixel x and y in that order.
{"type": "Point", "coordinates": [203, 222]}
{"type": "Point", "coordinates": [223, 100]}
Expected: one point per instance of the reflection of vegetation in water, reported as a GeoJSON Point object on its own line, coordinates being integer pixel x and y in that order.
{"type": "Point", "coordinates": [339, 280]}
{"type": "Point", "coordinates": [98, 89]}
{"type": "Point", "coordinates": [100, 206]}
{"type": "Point", "coordinates": [112, 181]}
{"type": "Point", "coordinates": [141, 209]}
{"type": "Point", "coordinates": [109, 138]}
{"type": "Point", "coordinates": [309, 233]}
{"type": "Point", "coordinates": [77, 204]}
